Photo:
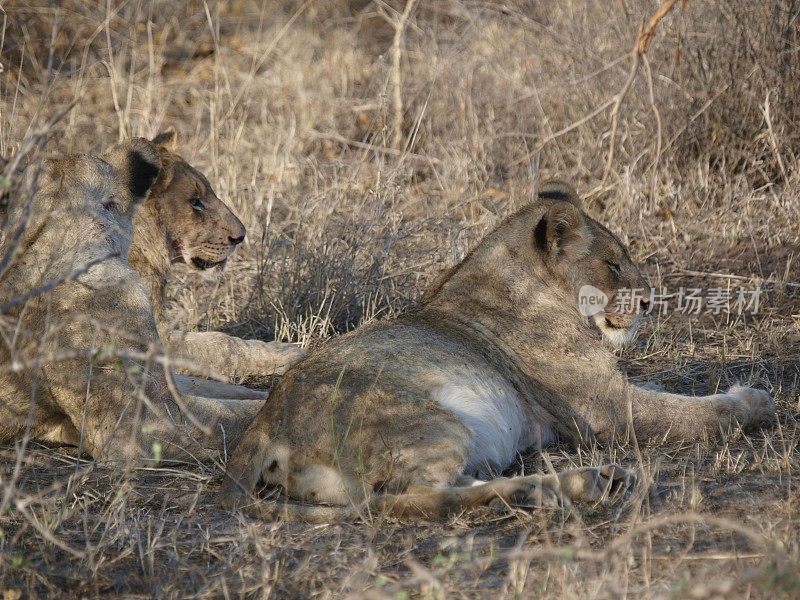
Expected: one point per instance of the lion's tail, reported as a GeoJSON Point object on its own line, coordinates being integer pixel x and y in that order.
{"type": "Point", "coordinates": [422, 502]}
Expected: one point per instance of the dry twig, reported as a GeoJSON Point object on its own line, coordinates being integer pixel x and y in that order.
{"type": "Point", "coordinates": [639, 48]}
{"type": "Point", "coordinates": [399, 23]}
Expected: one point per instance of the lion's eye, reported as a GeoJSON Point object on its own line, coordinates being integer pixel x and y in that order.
{"type": "Point", "coordinates": [197, 204]}
{"type": "Point", "coordinates": [614, 268]}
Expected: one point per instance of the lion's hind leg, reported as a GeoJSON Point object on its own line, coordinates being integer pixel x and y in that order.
{"type": "Point", "coordinates": [585, 484]}
{"type": "Point", "coordinates": [431, 502]}
{"type": "Point", "coordinates": [316, 483]}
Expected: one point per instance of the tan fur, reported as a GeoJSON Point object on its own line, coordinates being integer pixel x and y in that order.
{"type": "Point", "coordinates": [183, 221]}
{"type": "Point", "coordinates": [497, 358]}
{"type": "Point", "coordinates": [74, 354]}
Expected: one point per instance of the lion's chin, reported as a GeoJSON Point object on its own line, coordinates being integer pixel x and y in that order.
{"type": "Point", "coordinates": [617, 337]}
{"type": "Point", "coordinates": [202, 264]}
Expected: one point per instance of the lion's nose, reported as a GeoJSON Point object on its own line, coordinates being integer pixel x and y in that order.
{"type": "Point", "coordinates": [235, 241]}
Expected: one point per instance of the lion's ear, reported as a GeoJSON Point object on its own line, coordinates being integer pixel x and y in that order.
{"type": "Point", "coordinates": [144, 165]}
{"type": "Point", "coordinates": [138, 164]}
{"type": "Point", "coordinates": [167, 139]}
{"type": "Point", "coordinates": [558, 189]}
{"type": "Point", "coordinates": [562, 232]}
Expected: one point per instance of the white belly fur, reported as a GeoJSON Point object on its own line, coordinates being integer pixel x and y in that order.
{"type": "Point", "coordinates": [491, 408]}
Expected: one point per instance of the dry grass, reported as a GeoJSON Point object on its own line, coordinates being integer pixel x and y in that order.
{"type": "Point", "coordinates": [288, 107]}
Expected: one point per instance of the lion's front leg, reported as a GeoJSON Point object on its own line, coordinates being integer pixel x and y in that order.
{"type": "Point", "coordinates": [206, 388]}
{"type": "Point", "coordinates": [231, 356]}
{"type": "Point", "coordinates": [662, 415]}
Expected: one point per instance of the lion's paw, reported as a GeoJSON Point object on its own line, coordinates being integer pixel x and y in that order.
{"type": "Point", "coordinates": [594, 484]}
{"type": "Point", "coordinates": [755, 407]}
{"type": "Point", "coordinates": [280, 356]}
{"type": "Point", "coordinates": [526, 493]}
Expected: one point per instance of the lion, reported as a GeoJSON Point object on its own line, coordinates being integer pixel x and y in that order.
{"type": "Point", "coordinates": [416, 416]}
{"type": "Point", "coordinates": [80, 358]}
{"type": "Point", "coordinates": [183, 221]}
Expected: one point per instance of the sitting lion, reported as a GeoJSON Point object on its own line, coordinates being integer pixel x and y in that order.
{"type": "Point", "coordinates": [413, 415]}
{"type": "Point", "coordinates": [80, 359]}
{"type": "Point", "coordinates": [183, 221]}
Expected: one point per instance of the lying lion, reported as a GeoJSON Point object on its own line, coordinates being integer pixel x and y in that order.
{"type": "Point", "coordinates": [80, 358]}
{"type": "Point", "coordinates": [417, 415]}
{"type": "Point", "coordinates": [183, 221]}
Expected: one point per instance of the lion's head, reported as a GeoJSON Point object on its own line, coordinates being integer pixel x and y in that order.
{"type": "Point", "coordinates": [199, 229]}
{"type": "Point", "coordinates": [100, 193]}
{"type": "Point", "coordinates": [549, 263]}
{"type": "Point", "coordinates": [65, 240]}
{"type": "Point", "coordinates": [608, 288]}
